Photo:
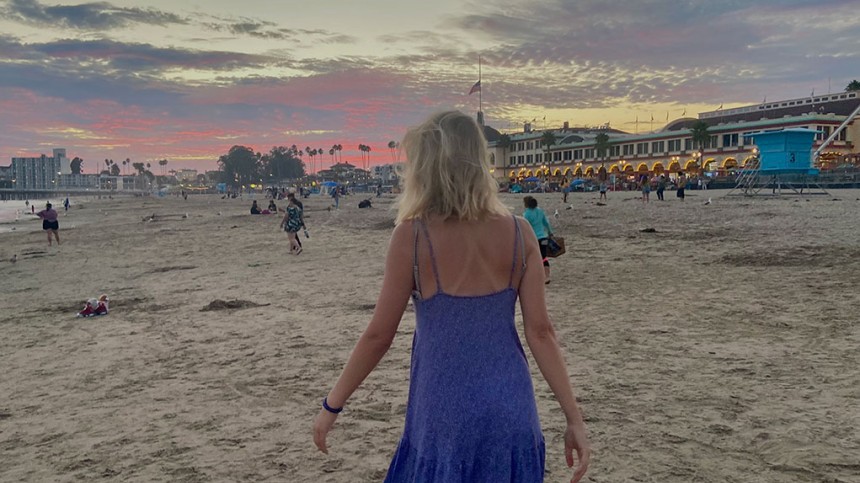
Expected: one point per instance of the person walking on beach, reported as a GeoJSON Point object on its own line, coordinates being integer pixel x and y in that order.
{"type": "Point", "coordinates": [292, 223]}
{"type": "Point", "coordinates": [336, 195]}
{"type": "Point", "coordinates": [542, 229]}
{"type": "Point", "coordinates": [645, 183]}
{"type": "Point", "coordinates": [66, 205]}
{"type": "Point", "coordinates": [661, 187]}
{"type": "Point", "coordinates": [471, 415]}
{"type": "Point", "coordinates": [682, 183]}
{"type": "Point", "coordinates": [603, 189]}
{"type": "Point", "coordinates": [291, 197]}
{"type": "Point", "coordinates": [50, 223]}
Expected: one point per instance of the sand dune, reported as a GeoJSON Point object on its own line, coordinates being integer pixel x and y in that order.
{"type": "Point", "coordinates": [722, 347]}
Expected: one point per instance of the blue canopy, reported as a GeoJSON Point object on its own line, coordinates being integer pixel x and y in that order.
{"type": "Point", "coordinates": [531, 179]}
{"type": "Point", "coordinates": [577, 182]}
{"type": "Point", "coordinates": [329, 183]}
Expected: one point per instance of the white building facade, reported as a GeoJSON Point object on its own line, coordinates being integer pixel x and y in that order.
{"type": "Point", "coordinates": [40, 173]}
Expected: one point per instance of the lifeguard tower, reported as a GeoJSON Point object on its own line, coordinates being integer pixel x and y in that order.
{"type": "Point", "coordinates": [784, 161]}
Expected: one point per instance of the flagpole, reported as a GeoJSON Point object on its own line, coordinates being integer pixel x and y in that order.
{"type": "Point", "coordinates": [480, 99]}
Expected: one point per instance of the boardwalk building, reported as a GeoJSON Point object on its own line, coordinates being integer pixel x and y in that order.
{"type": "Point", "coordinates": [671, 150]}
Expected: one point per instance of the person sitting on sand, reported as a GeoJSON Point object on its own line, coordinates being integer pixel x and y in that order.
{"type": "Point", "coordinates": [471, 414]}
{"type": "Point", "coordinates": [50, 223]}
{"type": "Point", "coordinates": [273, 208]}
{"type": "Point", "coordinates": [255, 210]}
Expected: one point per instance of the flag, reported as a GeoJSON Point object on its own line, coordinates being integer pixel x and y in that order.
{"type": "Point", "coordinates": [685, 113]}
{"type": "Point", "coordinates": [667, 116]}
{"type": "Point", "coordinates": [812, 94]}
{"type": "Point", "coordinates": [475, 88]}
{"type": "Point", "coordinates": [719, 108]}
{"type": "Point", "coordinates": [652, 117]}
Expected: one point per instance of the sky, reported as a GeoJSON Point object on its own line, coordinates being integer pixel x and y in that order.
{"type": "Point", "coordinates": [185, 80]}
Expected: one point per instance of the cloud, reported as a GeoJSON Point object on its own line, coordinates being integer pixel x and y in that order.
{"type": "Point", "coordinates": [86, 16]}
{"type": "Point", "coordinates": [138, 56]}
{"type": "Point", "coordinates": [264, 29]}
{"type": "Point", "coordinates": [592, 53]}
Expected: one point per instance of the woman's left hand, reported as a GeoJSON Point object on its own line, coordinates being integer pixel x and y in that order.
{"type": "Point", "coordinates": [322, 425]}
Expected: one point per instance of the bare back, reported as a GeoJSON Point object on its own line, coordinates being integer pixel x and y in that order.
{"type": "Point", "coordinates": [472, 258]}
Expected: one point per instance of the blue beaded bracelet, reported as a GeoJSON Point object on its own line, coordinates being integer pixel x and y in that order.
{"type": "Point", "coordinates": [329, 408]}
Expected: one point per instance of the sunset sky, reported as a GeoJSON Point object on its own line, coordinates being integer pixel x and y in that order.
{"type": "Point", "coordinates": [185, 80]}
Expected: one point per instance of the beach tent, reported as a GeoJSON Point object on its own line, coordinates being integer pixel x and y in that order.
{"type": "Point", "coordinates": [531, 179]}
{"type": "Point", "coordinates": [329, 183]}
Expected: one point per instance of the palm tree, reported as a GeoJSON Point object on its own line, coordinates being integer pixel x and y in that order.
{"type": "Point", "coordinates": [853, 86]}
{"type": "Point", "coordinates": [548, 141]}
{"type": "Point", "coordinates": [163, 164]}
{"type": "Point", "coordinates": [701, 139]}
{"type": "Point", "coordinates": [601, 146]}
{"type": "Point", "coordinates": [339, 149]}
{"type": "Point", "coordinates": [124, 164]}
{"type": "Point", "coordinates": [392, 146]}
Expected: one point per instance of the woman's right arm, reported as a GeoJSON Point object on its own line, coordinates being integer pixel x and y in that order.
{"type": "Point", "coordinates": [379, 334]}
{"type": "Point", "coordinates": [541, 339]}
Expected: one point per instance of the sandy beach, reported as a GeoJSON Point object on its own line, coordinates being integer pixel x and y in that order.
{"type": "Point", "coordinates": [723, 347]}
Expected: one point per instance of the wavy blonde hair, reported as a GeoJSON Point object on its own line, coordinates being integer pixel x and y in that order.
{"type": "Point", "coordinates": [447, 173]}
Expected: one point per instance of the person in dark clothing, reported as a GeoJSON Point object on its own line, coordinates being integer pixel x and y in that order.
{"type": "Point", "coordinates": [50, 223]}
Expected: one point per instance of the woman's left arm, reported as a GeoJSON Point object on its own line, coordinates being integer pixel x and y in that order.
{"type": "Point", "coordinates": [377, 337]}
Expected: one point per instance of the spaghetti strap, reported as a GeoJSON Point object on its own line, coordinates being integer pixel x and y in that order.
{"type": "Point", "coordinates": [519, 243]}
{"type": "Point", "coordinates": [432, 256]}
{"type": "Point", "coordinates": [415, 272]}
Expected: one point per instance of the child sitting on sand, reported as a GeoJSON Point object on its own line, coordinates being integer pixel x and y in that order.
{"type": "Point", "coordinates": [95, 307]}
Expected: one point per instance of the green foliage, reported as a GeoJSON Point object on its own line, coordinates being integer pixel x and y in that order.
{"type": "Point", "coordinates": [283, 162]}
{"type": "Point", "coordinates": [140, 167]}
{"type": "Point", "coordinates": [699, 133]}
{"type": "Point", "coordinates": [853, 86]}
{"type": "Point", "coordinates": [240, 166]}
{"type": "Point", "coordinates": [114, 169]}
{"type": "Point", "coordinates": [601, 144]}
{"type": "Point", "coordinates": [547, 140]}
{"type": "Point", "coordinates": [76, 165]}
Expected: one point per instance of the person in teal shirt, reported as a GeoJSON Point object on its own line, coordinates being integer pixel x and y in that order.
{"type": "Point", "coordinates": [540, 224]}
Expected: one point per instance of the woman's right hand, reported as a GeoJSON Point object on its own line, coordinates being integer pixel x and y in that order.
{"type": "Point", "coordinates": [576, 439]}
{"type": "Point", "coordinates": [322, 425]}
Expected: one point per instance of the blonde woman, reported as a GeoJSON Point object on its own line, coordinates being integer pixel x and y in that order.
{"type": "Point", "coordinates": [464, 260]}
